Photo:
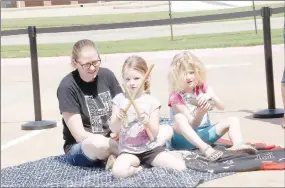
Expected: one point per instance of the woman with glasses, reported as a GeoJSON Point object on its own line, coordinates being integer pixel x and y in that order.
{"type": "Point", "coordinates": [85, 102]}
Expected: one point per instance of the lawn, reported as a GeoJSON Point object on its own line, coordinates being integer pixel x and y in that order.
{"type": "Point", "coordinates": [220, 40]}
{"type": "Point", "coordinates": [12, 24]}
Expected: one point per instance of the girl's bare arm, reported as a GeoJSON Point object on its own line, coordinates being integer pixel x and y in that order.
{"type": "Point", "coordinates": [154, 122]}
{"type": "Point", "coordinates": [219, 104]}
{"type": "Point", "coordinates": [193, 120]}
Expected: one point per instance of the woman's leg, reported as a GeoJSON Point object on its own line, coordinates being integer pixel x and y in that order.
{"type": "Point", "coordinates": [99, 147]}
{"type": "Point", "coordinates": [166, 159]}
{"type": "Point", "coordinates": [182, 126]}
{"type": "Point", "coordinates": [126, 165]}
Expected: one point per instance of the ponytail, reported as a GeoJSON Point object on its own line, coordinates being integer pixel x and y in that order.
{"type": "Point", "coordinates": [147, 86]}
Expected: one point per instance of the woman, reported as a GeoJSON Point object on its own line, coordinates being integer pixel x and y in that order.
{"type": "Point", "coordinates": [85, 102]}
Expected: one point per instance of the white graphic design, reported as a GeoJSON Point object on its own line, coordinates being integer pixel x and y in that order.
{"type": "Point", "coordinates": [265, 156]}
{"type": "Point", "coordinates": [99, 111]}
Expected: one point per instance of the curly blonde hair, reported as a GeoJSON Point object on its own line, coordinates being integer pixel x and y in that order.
{"type": "Point", "coordinates": [180, 64]}
{"type": "Point", "coordinates": [139, 64]}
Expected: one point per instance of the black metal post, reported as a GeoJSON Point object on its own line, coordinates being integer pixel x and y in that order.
{"type": "Point", "coordinates": [38, 123]}
{"type": "Point", "coordinates": [254, 17]}
{"type": "Point", "coordinates": [271, 112]}
{"type": "Point", "coordinates": [170, 16]}
{"type": "Point", "coordinates": [35, 72]}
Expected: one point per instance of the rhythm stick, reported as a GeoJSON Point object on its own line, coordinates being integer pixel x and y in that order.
{"type": "Point", "coordinates": [137, 111]}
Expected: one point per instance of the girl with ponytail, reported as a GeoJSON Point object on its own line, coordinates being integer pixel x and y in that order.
{"type": "Point", "coordinates": [135, 147]}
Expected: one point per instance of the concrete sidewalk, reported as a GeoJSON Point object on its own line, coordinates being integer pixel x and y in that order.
{"type": "Point", "coordinates": [236, 74]}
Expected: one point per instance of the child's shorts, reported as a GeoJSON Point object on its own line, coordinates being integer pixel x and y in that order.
{"type": "Point", "coordinates": [206, 133]}
{"type": "Point", "coordinates": [148, 156]}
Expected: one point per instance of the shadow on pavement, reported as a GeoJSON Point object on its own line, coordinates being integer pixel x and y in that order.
{"type": "Point", "coordinates": [276, 121]}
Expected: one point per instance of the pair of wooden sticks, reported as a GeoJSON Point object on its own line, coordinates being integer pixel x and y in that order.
{"type": "Point", "coordinates": [132, 102]}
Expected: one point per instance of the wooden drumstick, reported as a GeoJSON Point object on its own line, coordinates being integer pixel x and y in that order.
{"type": "Point", "coordinates": [137, 111]}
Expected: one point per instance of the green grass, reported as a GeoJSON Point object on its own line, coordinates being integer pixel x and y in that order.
{"type": "Point", "coordinates": [23, 23]}
{"type": "Point", "coordinates": [221, 40]}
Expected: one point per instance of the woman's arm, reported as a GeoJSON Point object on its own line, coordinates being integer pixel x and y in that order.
{"type": "Point", "coordinates": [75, 126]}
{"type": "Point", "coordinates": [116, 122]}
{"type": "Point", "coordinates": [193, 120]}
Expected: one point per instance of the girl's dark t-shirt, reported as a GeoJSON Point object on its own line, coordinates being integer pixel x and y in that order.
{"type": "Point", "coordinates": [92, 100]}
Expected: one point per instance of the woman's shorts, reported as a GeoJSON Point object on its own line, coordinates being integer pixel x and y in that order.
{"type": "Point", "coordinates": [76, 157]}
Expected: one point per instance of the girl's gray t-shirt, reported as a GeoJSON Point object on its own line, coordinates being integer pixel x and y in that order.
{"type": "Point", "coordinates": [133, 137]}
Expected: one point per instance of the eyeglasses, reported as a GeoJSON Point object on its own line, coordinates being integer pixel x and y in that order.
{"type": "Point", "coordinates": [87, 66]}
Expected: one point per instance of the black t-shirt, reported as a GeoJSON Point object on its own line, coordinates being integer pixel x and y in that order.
{"type": "Point", "coordinates": [92, 100]}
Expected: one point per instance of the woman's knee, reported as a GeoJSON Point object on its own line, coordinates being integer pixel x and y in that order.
{"type": "Point", "coordinates": [96, 146]}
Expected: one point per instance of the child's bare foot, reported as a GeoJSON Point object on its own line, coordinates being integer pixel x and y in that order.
{"type": "Point", "coordinates": [212, 154]}
{"type": "Point", "coordinates": [139, 168]}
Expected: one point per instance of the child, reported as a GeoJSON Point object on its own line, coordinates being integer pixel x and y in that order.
{"type": "Point", "coordinates": [135, 147]}
{"type": "Point", "coordinates": [192, 126]}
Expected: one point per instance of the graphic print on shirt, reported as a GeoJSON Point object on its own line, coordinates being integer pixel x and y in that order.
{"type": "Point", "coordinates": [99, 115]}
{"type": "Point", "coordinates": [135, 134]}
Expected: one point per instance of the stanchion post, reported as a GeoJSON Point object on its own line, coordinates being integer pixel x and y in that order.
{"type": "Point", "coordinates": [271, 112]}
{"type": "Point", "coordinates": [38, 123]}
{"type": "Point", "coordinates": [254, 17]}
{"type": "Point", "coordinates": [170, 16]}
{"type": "Point", "coordinates": [35, 72]}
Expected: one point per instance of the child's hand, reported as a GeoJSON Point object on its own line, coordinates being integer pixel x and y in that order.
{"type": "Point", "coordinates": [114, 136]}
{"type": "Point", "coordinates": [201, 110]}
{"type": "Point", "coordinates": [144, 119]}
{"type": "Point", "coordinates": [203, 99]}
{"type": "Point", "coordinates": [121, 114]}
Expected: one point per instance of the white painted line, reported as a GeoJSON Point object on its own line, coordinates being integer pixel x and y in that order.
{"type": "Point", "coordinates": [226, 65]}
{"type": "Point", "coordinates": [21, 139]}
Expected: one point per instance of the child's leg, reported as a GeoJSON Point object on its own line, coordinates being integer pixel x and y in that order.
{"type": "Point", "coordinates": [126, 165]}
{"type": "Point", "coordinates": [164, 134]}
{"type": "Point", "coordinates": [232, 126]}
{"type": "Point", "coordinates": [166, 159]}
{"type": "Point", "coordinates": [182, 126]}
